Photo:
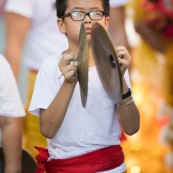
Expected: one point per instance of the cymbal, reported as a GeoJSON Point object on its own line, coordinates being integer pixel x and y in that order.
{"type": "Point", "coordinates": [28, 163]}
{"type": "Point", "coordinates": [106, 62]}
{"type": "Point", "coordinates": [82, 65]}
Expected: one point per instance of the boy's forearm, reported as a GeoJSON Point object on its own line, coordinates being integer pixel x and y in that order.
{"type": "Point", "coordinates": [52, 118]}
{"type": "Point", "coordinates": [125, 87]}
{"type": "Point", "coordinates": [129, 114]}
{"type": "Point", "coordinates": [129, 117]}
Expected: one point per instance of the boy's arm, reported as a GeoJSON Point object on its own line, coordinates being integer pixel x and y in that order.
{"type": "Point", "coordinates": [129, 114]}
{"type": "Point", "coordinates": [17, 27]}
{"type": "Point", "coordinates": [52, 118]}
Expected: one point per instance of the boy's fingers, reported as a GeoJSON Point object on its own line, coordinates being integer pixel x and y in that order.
{"type": "Point", "coordinates": [121, 53]}
{"type": "Point", "coordinates": [121, 57]}
{"type": "Point", "coordinates": [120, 48]}
{"type": "Point", "coordinates": [70, 59]}
{"type": "Point", "coordinates": [68, 56]}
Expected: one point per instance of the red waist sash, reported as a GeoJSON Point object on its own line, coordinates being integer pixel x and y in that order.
{"type": "Point", "coordinates": [96, 161]}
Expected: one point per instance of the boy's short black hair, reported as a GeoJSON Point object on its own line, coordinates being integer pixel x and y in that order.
{"type": "Point", "coordinates": [61, 6]}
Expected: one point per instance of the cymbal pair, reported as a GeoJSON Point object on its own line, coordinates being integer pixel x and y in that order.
{"type": "Point", "coordinates": [106, 62]}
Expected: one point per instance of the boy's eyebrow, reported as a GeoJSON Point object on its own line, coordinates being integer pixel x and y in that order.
{"type": "Point", "coordinates": [80, 8]}
{"type": "Point", "coordinates": [77, 8]}
{"type": "Point", "coordinates": [94, 8]}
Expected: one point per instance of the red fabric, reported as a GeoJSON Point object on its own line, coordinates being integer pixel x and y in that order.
{"type": "Point", "coordinates": [96, 161]}
{"type": "Point", "coordinates": [123, 137]}
{"type": "Point", "coordinates": [165, 7]}
{"type": "Point", "coordinates": [41, 159]}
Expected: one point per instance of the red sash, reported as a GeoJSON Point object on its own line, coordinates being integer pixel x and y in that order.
{"type": "Point", "coordinates": [96, 161]}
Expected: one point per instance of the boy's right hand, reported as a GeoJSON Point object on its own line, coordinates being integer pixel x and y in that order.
{"type": "Point", "coordinates": [68, 69]}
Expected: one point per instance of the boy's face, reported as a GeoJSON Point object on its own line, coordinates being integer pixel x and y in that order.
{"type": "Point", "coordinates": [71, 27]}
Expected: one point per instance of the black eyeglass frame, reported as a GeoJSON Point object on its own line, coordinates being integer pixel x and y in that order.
{"type": "Point", "coordinates": [86, 14]}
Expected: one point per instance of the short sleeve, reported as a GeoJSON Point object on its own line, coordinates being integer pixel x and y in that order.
{"type": "Point", "coordinates": [117, 3]}
{"type": "Point", "coordinates": [10, 101]}
{"type": "Point", "coordinates": [21, 7]}
{"type": "Point", "coordinates": [45, 89]}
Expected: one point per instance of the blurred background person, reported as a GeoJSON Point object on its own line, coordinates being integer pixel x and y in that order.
{"type": "Point", "coordinates": [31, 23]}
{"type": "Point", "coordinates": [11, 113]}
{"type": "Point", "coordinates": [2, 3]}
{"type": "Point", "coordinates": [117, 29]}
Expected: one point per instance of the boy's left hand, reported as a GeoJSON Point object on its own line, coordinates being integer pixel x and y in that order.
{"type": "Point", "coordinates": [124, 58]}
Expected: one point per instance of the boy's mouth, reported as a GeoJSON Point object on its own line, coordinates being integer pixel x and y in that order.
{"type": "Point", "coordinates": [88, 30]}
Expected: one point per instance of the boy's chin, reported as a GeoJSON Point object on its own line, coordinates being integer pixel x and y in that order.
{"type": "Point", "coordinates": [88, 36]}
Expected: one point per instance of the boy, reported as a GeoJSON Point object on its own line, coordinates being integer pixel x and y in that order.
{"type": "Point", "coordinates": [80, 139]}
{"type": "Point", "coordinates": [11, 113]}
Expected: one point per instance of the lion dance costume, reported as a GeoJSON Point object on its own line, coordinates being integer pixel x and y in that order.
{"type": "Point", "coordinates": [154, 23]}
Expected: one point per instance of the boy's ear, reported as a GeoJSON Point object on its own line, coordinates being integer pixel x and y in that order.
{"type": "Point", "coordinates": [106, 21]}
{"type": "Point", "coordinates": [61, 26]}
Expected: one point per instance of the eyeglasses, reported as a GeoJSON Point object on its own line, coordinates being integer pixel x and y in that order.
{"type": "Point", "coordinates": [80, 15]}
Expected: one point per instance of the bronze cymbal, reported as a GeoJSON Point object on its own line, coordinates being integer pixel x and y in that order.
{"type": "Point", "coordinates": [28, 163]}
{"type": "Point", "coordinates": [106, 62]}
{"type": "Point", "coordinates": [82, 65]}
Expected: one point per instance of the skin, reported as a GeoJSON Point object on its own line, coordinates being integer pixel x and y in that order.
{"type": "Point", "coordinates": [15, 38]}
{"type": "Point", "coordinates": [52, 118]}
{"type": "Point", "coordinates": [117, 28]}
{"type": "Point", "coordinates": [12, 131]}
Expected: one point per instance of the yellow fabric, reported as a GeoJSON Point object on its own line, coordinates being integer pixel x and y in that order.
{"type": "Point", "coordinates": [168, 72]}
{"type": "Point", "coordinates": [32, 135]}
{"type": "Point", "coordinates": [147, 62]}
{"type": "Point", "coordinates": [139, 13]}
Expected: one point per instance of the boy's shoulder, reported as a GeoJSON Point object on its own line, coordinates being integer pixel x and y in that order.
{"type": "Point", "coordinates": [52, 60]}
{"type": "Point", "coordinates": [50, 64]}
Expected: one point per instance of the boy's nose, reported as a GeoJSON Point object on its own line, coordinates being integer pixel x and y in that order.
{"type": "Point", "coordinates": [87, 19]}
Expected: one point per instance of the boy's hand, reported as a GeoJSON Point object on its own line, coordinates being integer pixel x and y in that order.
{"type": "Point", "coordinates": [124, 58]}
{"type": "Point", "coordinates": [68, 69]}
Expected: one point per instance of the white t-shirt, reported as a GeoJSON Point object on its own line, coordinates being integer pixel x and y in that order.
{"type": "Point", "coordinates": [44, 37]}
{"type": "Point", "coordinates": [117, 3]}
{"type": "Point", "coordinates": [83, 129]}
{"type": "Point", "coordinates": [10, 102]}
